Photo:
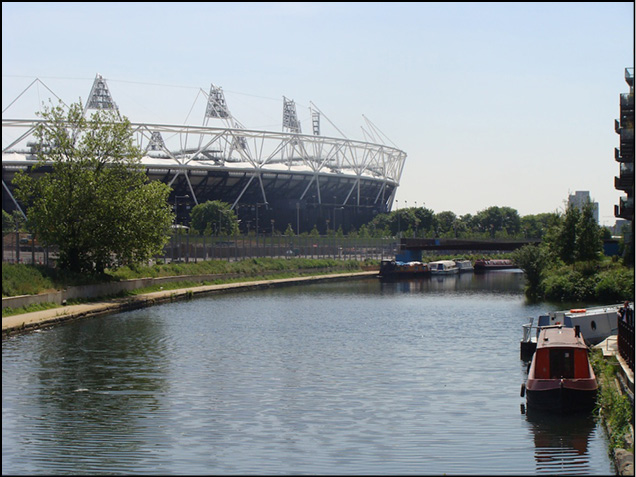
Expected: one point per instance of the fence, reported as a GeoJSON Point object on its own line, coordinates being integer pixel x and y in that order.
{"type": "Point", "coordinates": [19, 247]}
{"type": "Point", "coordinates": [626, 337]}
{"type": "Point", "coordinates": [185, 247]}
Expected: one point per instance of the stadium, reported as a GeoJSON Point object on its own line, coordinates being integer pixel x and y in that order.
{"type": "Point", "coordinates": [271, 179]}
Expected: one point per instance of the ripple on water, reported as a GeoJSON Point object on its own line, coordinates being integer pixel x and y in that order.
{"type": "Point", "coordinates": [335, 378]}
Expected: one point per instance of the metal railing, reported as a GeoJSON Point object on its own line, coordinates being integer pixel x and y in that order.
{"type": "Point", "coordinates": [186, 247]}
{"type": "Point", "coordinates": [626, 337]}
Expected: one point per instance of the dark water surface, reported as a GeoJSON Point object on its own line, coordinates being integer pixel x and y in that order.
{"type": "Point", "coordinates": [361, 377]}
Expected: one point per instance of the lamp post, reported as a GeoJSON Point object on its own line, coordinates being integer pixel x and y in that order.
{"type": "Point", "coordinates": [334, 216]}
{"type": "Point", "coordinates": [176, 197]}
{"type": "Point", "coordinates": [176, 220]}
{"type": "Point", "coordinates": [257, 206]}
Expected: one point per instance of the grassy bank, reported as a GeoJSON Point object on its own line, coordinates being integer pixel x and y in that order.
{"type": "Point", "coordinates": [612, 406]}
{"type": "Point", "coordinates": [20, 279]}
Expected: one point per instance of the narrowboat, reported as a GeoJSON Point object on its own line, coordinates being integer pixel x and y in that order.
{"type": "Point", "coordinates": [494, 264]}
{"type": "Point", "coordinates": [596, 324]}
{"type": "Point", "coordinates": [397, 269]}
{"type": "Point", "coordinates": [560, 376]}
{"type": "Point", "coordinates": [464, 265]}
{"type": "Point", "coordinates": [443, 267]}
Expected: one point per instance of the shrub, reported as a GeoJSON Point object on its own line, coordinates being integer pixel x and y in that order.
{"type": "Point", "coordinates": [615, 285]}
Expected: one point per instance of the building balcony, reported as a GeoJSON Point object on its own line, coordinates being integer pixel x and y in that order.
{"type": "Point", "coordinates": [624, 182]}
{"type": "Point", "coordinates": [627, 137]}
{"type": "Point", "coordinates": [627, 103]}
{"type": "Point", "coordinates": [625, 209]}
{"type": "Point", "coordinates": [617, 155]}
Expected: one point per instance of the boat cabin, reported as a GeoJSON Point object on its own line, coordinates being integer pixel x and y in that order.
{"type": "Point", "coordinates": [561, 353]}
{"type": "Point", "coordinates": [443, 266]}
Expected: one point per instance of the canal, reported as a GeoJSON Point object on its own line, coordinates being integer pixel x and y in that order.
{"type": "Point", "coordinates": [361, 377]}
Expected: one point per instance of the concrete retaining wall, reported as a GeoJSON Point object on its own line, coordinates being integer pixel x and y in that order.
{"type": "Point", "coordinates": [114, 288]}
{"type": "Point", "coordinates": [101, 290]}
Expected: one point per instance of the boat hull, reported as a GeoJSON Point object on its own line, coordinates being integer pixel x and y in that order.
{"type": "Point", "coordinates": [562, 399]}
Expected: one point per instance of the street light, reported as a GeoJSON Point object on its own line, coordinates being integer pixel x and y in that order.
{"type": "Point", "coordinates": [175, 205]}
{"type": "Point", "coordinates": [257, 206]}
{"type": "Point", "coordinates": [334, 216]}
{"type": "Point", "coordinates": [176, 216]}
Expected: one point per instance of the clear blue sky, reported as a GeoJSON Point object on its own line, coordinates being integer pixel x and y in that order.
{"type": "Point", "coordinates": [507, 104]}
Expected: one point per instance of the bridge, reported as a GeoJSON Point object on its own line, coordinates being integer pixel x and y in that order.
{"type": "Point", "coordinates": [415, 244]}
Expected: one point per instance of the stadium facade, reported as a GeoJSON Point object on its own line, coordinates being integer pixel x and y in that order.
{"type": "Point", "coordinates": [271, 179]}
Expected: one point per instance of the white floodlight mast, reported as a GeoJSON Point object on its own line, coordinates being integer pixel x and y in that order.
{"type": "Point", "coordinates": [99, 97]}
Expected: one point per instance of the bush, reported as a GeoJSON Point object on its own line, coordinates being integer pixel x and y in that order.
{"type": "Point", "coordinates": [570, 285]}
{"type": "Point", "coordinates": [615, 285]}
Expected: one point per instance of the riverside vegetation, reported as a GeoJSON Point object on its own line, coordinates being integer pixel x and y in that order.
{"type": "Point", "coordinates": [613, 407]}
{"type": "Point", "coordinates": [22, 279]}
{"type": "Point", "coordinates": [568, 264]}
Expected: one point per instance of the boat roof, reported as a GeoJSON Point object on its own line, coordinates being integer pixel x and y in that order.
{"type": "Point", "coordinates": [446, 262]}
{"type": "Point", "coordinates": [560, 337]}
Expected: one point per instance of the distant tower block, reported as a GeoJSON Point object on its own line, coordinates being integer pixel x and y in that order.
{"type": "Point", "coordinates": [99, 97]}
{"type": "Point", "coordinates": [217, 107]}
{"type": "Point", "coordinates": [156, 142]}
{"type": "Point", "coordinates": [315, 121]}
{"type": "Point", "coordinates": [290, 120]}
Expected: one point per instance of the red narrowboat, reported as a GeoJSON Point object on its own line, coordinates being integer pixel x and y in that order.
{"type": "Point", "coordinates": [560, 377]}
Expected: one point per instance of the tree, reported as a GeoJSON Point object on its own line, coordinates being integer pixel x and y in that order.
{"type": "Point", "coordinates": [536, 226]}
{"type": "Point", "coordinates": [532, 260]}
{"type": "Point", "coordinates": [214, 216]}
{"type": "Point", "coordinates": [445, 222]}
{"type": "Point", "coordinates": [289, 232]}
{"type": "Point", "coordinates": [588, 235]}
{"type": "Point", "coordinates": [565, 244]}
{"type": "Point", "coordinates": [96, 204]}
{"type": "Point", "coordinates": [12, 222]}
{"type": "Point", "coordinates": [498, 219]}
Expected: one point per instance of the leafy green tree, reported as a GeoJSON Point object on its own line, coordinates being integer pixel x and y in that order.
{"type": "Point", "coordinates": [565, 244]}
{"type": "Point", "coordinates": [289, 232]}
{"type": "Point", "coordinates": [498, 219]}
{"type": "Point", "coordinates": [7, 223]}
{"type": "Point", "coordinates": [426, 218]}
{"type": "Point", "coordinates": [96, 204]}
{"type": "Point", "coordinates": [588, 235]}
{"type": "Point", "coordinates": [11, 222]}
{"type": "Point", "coordinates": [445, 223]}
{"type": "Point", "coordinates": [214, 217]}
{"type": "Point", "coordinates": [536, 226]}
{"type": "Point", "coordinates": [532, 260]}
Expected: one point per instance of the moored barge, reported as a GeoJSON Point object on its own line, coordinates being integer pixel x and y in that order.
{"type": "Point", "coordinates": [560, 376]}
{"type": "Point", "coordinates": [493, 264]}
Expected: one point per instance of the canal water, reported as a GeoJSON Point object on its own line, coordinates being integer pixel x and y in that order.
{"type": "Point", "coordinates": [360, 377]}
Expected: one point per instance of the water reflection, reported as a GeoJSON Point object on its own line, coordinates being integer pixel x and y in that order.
{"type": "Point", "coordinates": [94, 380]}
{"type": "Point", "coordinates": [500, 282]}
{"type": "Point", "coordinates": [342, 377]}
{"type": "Point", "coordinates": [561, 441]}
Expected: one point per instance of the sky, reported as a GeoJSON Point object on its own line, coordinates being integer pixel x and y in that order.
{"type": "Point", "coordinates": [495, 104]}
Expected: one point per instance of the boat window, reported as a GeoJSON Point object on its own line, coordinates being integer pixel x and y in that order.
{"type": "Point", "coordinates": [593, 324]}
{"type": "Point", "coordinates": [561, 363]}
